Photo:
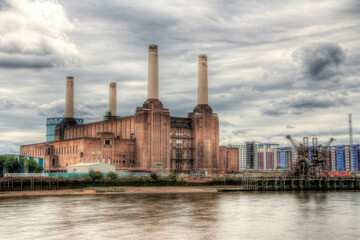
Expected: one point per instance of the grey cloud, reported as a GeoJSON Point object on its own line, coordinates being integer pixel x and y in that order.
{"type": "Point", "coordinates": [290, 127]}
{"type": "Point", "coordinates": [226, 123]}
{"type": "Point", "coordinates": [320, 61]}
{"type": "Point", "coordinates": [273, 110]}
{"type": "Point", "coordinates": [324, 134]}
{"type": "Point", "coordinates": [241, 131]}
{"type": "Point", "coordinates": [305, 102]}
{"type": "Point", "coordinates": [29, 63]}
{"type": "Point", "coordinates": [7, 103]}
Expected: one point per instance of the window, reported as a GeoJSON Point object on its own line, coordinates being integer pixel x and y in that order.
{"type": "Point", "coordinates": [48, 152]}
{"type": "Point", "coordinates": [107, 141]}
{"type": "Point", "coordinates": [81, 154]}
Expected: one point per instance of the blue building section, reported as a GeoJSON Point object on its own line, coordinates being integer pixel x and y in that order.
{"type": "Point", "coordinates": [340, 163]}
{"type": "Point", "coordinates": [51, 126]}
{"type": "Point", "coordinates": [310, 156]}
{"type": "Point", "coordinates": [41, 162]}
{"type": "Point", "coordinates": [283, 160]}
{"type": "Point", "coordinates": [356, 159]}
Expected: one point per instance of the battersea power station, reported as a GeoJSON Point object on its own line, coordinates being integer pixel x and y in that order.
{"type": "Point", "coordinates": [149, 139]}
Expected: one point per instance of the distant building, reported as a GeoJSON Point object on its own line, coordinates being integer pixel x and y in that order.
{"type": "Point", "coordinates": [252, 155]}
{"type": "Point", "coordinates": [242, 154]}
{"type": "Point", "coordinates": [284, 157]}
{"type": "Point", "coordinates": [267, 156]}
{"type": "Point", "coordinates": [339, 158]}
{"type": "Point", "coordinates": [51, 125]}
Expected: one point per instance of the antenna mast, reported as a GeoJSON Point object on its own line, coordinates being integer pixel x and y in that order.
{"type": "Point", "coordinates": [351, 143]}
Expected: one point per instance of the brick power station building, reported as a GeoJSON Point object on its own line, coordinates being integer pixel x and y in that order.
{"type": "Point", "coordinates": [150, 139]}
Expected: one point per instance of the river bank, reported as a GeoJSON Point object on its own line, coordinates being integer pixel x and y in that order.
{"type": "Point", "coordinates": [111, 191]}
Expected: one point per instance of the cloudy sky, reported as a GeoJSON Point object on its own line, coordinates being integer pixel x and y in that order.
{"type": "Point", "coordinates": [275, 67]}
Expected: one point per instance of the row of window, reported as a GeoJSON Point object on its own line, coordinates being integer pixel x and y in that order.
{"type": "Point", "coordinates": [125, 163]}
{"type": "Point", "coordinates": [123, 155]}
{"type": "Point", "coordinates": [66, 150]}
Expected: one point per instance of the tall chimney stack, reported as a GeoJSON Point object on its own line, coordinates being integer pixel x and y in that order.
{"type": "Point", "coordinates": [202, 80]}
{"type": "Point", "coordinates": [112, 99]}
{"type": "Point", "coordinates": [153, 73]}
{"type": "Point", "coordinates": [69, 101]}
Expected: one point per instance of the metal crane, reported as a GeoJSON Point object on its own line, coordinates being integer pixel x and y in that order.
{"type": "Point", "coordinates": [318, 154]}
{"type": "Point", "coordinates": [301, 166]}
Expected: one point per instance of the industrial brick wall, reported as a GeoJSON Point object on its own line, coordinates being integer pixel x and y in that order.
{"type": "Point", "coordinates": [121, 127]}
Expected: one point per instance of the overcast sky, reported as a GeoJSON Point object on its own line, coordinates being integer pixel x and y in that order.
{"type": "Point", "coordinates": [275, 67]}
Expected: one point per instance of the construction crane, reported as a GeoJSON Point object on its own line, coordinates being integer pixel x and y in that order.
{"type": "Point", "coordinates": [301, 166]}
{"type": "Point", "coordinates": [319, 155]}
{"type": "Point", "coordinates": [310, 160]}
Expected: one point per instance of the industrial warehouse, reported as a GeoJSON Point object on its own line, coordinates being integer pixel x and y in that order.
{"type": "Point", "coordinates": [149, 139]}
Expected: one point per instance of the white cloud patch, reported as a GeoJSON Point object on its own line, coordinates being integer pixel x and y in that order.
{"type": "Point", "coordinates": [34, 34]}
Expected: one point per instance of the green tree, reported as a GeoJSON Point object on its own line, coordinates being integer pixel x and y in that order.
{"type": "Point", "coordinates": [173, 176]}
{"type": "Point", "coordinates": [96, 175]}
{"type": "Point", "coordinates": [33, 166]}
{"type": "Point", "coordinates": [154, 176]}
{"type": "Point", "coordinates": [87, 178]}
{"type": "Point", "coordinates": [12, 165]}
{"type": "Point", "coordinates": [2, 161]}
{"type": "Point", "coordinates": [112, 175]}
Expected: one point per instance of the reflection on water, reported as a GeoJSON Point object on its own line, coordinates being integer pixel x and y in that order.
{"type": "Point", "coordinates": [260, 215]}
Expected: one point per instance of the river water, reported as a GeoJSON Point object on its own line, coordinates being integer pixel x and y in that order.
{"type": "Point", "coordinates": [260, 215]}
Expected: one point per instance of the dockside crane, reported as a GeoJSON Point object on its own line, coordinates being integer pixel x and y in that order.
{"type": "Point", "coordinates": [301, 166]}
{"type": "Point", "coordinates": [318, 153]}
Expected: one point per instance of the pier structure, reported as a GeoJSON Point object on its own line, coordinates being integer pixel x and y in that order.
{"type": "Point", "coordinates": [301, 183]}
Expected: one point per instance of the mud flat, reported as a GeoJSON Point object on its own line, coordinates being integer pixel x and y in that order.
{"type": "Point", "coordinates": [112, 191]}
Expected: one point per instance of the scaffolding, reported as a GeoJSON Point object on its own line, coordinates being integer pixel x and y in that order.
{"type": "Point", "coordinates": [181, 134]}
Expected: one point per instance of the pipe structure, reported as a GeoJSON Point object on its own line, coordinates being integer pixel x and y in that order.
{"type": "Point", "coordinates": [153, 73]}
{"type": "Point", "coordinates": [112, 99]}
{"type": "Point", "coordinates": [69, 101]}
{"type": "Point", "coordinates": [202, 80]}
